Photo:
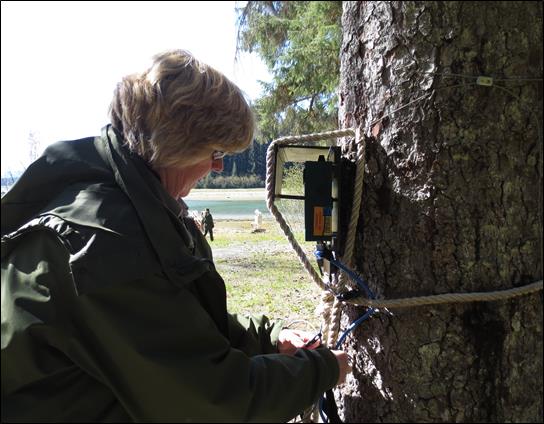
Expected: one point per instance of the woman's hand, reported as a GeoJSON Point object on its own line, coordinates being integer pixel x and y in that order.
{"type": "Point", "coordinates": [343, 365]}
{"type": "Point", "coordinates": [291, 340]}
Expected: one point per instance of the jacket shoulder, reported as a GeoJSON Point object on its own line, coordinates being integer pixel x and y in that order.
{"type": "Point", "coordinates": [101, 252]}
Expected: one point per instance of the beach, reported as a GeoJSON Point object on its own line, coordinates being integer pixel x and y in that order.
{"type": "Point", "coordinates": [230, 194]}
{"type": "Point", "coordinates": [239, 204]}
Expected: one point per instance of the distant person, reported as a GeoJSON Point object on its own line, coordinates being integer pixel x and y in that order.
{"type": "Point", "coordinates": [112, 308]}
{"type": "Point", "coordinates": [207, 224]}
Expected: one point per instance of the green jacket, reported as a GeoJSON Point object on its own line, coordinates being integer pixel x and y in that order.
{"type": "Point", "coordinates": [112, 309]}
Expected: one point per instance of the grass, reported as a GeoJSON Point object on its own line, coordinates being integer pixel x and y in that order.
{"type": "Point", "coordinates": [229, 233]}
{"type": "Point", "coordinates": [263, 274]}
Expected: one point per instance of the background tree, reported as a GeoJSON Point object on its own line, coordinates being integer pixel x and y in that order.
{"type": "Point", "coordinates": [34, 150]}
{"type": "Point", "coordinates": [243, 170]}
{"type": "Point", "coordinates": [452, 203]}
{"type": "Point", "coordinates": [299, 41]}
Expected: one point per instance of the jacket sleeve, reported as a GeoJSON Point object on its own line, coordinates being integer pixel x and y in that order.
{"type": "Point", "coordinates": [160, 353]}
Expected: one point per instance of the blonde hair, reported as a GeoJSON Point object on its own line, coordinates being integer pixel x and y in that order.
{"type": "Point", "coordinates": [180, 110]}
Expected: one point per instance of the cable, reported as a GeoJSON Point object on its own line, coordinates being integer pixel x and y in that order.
{"type": "Point", "coordinates": [353, 326]}
{"type": "Point", "coordinates": [327, 401]}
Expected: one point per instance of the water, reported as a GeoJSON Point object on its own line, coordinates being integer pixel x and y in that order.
{"type": "Point", "coordinates": [230, 209]}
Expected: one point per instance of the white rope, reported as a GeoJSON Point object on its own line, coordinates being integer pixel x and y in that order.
{"type": "Point", "coordinates": [350, 241]}
{"type": "Point", "coordinates": [449, 297]}
{"type": "Point", "coordinates": [349, 246]}
{"type": "Point", "coordinates": [270, 167]}
{"type": "Point", "coordinates": [331, 306]}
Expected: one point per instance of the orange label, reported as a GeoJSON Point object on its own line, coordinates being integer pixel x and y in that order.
{"type": "Point", "coordinates": [319, 221]}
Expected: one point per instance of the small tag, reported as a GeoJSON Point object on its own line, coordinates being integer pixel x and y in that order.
{"type": "Point", "coordinates": [487, 81]}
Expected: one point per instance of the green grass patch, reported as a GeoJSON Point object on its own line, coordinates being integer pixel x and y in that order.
{"type": "Point", "coordinates": [263, 275]}
{"type": "Point", "coordinates": [229, 233]}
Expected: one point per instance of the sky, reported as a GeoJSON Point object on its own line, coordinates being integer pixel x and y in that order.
{"type": "Point", "coordinates": [60, 61]}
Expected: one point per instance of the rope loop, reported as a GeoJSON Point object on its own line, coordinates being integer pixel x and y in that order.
{"type": "Point", "coordinates": [270, 165]}
{"type": "Point", "coordinates": [340, 283]}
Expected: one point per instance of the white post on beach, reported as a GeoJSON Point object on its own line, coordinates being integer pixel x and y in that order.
{"type": "Point", "coordinates": [258, 221]}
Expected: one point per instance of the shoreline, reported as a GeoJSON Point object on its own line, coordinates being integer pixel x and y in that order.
{"type": "Point", "coordinates": [241, 220]}
{"type": "Point", "coordinates": [226, 194]}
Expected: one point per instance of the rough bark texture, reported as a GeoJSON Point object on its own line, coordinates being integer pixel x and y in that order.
{"type": "Point", "coordinates": [451, 201]}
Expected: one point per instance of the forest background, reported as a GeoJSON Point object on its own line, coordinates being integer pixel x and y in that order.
{"type": "Point", "coordinates": [299, 41]}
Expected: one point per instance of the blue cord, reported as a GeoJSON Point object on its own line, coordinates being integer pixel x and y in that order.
{"type": "Point", "coordinates": [360, 282]}
{"type": "Point", "coordinates": [321, 409]}
{"type": "Point", "coordinates": [353, 326]}
{"type": "Point", "coordinates": [362, 285]}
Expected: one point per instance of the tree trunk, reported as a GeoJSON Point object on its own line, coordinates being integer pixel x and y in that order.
{"type": "Point", "coordinates": [451, 203]}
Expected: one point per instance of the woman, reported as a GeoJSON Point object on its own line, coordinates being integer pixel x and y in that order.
{"type": "Point", "coordinates": [112, 309]}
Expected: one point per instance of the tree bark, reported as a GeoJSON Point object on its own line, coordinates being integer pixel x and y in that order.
{"type": "Point", "coordinates": [452, 203]}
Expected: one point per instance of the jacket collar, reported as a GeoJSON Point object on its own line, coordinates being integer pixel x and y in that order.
{"type": "Point", "coordinates": [172, 243]}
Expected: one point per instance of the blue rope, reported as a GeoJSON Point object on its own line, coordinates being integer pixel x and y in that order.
{"type": "Point", "coordinates": [327, 254]}
{"type": "Point", "coordinates": [321, 409]}
{"type": "Point", "coordinates": [360, 282]}
{"type": "Point", "coordinates": [353, 326]}
{"type": "Point", "coordinates": [320, 254]}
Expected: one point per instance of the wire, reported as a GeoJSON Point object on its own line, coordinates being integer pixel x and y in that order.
{"type": "Point", "coordinates": [353, 326]}
{"type": "Point", "coordinates": [518, 79]}
{"type": "Point", "coordinates": [448, 74]}
{"type": "Point", "coordinates": [360, 282]}
{"type": "Point", "coordinates": [370, 311]}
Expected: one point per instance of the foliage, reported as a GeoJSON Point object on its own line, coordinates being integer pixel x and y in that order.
{"type": "Point", "coordinates": [243, 170]}
{"type": "Point", "coordinates": [232, 181]}
{"type": "Point", "coordinates": [292, 182]}
{"type": "Point", "coordinates": [299, 41]}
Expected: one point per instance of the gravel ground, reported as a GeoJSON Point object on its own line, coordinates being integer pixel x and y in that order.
{"type": "Point", "coordinates": [239, 250]}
